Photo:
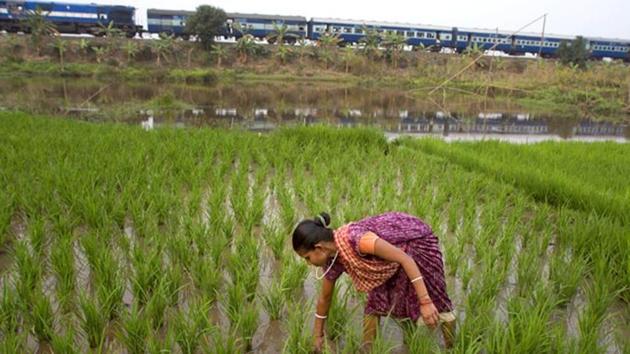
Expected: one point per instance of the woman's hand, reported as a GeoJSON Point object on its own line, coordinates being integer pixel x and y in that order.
{"type": "Point", "coordinates": [429, 314]}
{"type": "Point", "coordinates": [318, 343]}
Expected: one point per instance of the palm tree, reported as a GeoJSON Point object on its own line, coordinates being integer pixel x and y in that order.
{"type": "Point", "coordinates": [131, 49]}
{"type": "Point", "coordinates": [84, 46]}
{"type": "Point", "coordinates": [326, 43]}
{"type": "Point", "coordinates": [100, 52]}
{"type": "Point", "coordinates": [162, 47]}
{"type": "Point", "coordinates": [245, 46]}
{"type": "Point", "coordinates": [348, 57]}
{"type": "Point", "coordinates": [39, 27]}
{"type": "Point", "coordinates": [219, 52]}
{"type": "Point", "coordinates": [370, 40]}
{"type": "Point", "coordinates": [280, 32]}
{"type": "Point", "coordinates": [112, 34]}
{"type": "Point", "coordinates": [302, 49]}
{"type": "Point", "coordinates": [394, 43]}
{"type": "Point", "coordinates": [283, 53]}
{"type": "Point", "coordinates": [60, 46]}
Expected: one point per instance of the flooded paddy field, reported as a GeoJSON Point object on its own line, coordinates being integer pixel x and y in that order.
{"type": "Point", "coordinates": [121, 239]}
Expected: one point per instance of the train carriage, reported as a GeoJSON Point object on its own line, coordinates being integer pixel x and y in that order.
{"type": "Point", "coordinates": [69, 17]}
{"type": "Point", "coordinates": [261, 26]}
{"type": "Point", "coordinates": [171, 22]}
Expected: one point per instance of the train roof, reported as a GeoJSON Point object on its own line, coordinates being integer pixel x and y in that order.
{"type": "Point", "coordinates": [170, 12]}
{"type": "Point", "coordinates": [267, 17]}
{"type": "Point", "coordinates": [461, 29]}
{"type": "Point", "coordinates": [378, 23]}
{"type": "Point", "coordinates": [229, 15]}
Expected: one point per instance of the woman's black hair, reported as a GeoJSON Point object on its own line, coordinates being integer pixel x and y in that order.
{"type": "Point", "coordinates": [311, 231]}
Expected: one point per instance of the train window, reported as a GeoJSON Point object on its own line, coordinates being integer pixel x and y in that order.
{"type": "Point", "coordinates": [347, 30]}
{"type": "Point", "coordinates": [400, 33]}
{"type": "Point", "coordinates": [358, 30]}
{"type": "Point", "coordinates": [420, 34]}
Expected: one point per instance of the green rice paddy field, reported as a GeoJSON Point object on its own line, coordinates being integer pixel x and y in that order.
{"type": "Point", "coordinates": [115, 239]}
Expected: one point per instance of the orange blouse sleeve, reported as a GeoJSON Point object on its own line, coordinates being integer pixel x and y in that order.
{"type": "Point", "coordinates": [367, 242]}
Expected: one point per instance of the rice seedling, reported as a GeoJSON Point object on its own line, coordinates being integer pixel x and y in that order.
{"type": "Point", "coordinates": [62, 261]}
{"type": "Point", "coordinates": [190, 327]}
{"type": "Point", "coordinates": [339, 315]}
{"type": "Point", "coordinates": [64, 344]}
{"type": "Point", "coordinates": [147, 269]}
{"type": "Point", "coordinates": [293, 274]}
{"type": "Point", "coordinates": [6, 212]}
{"type": "Point", "coordinates": [29, 272]}
{"type": "Point", "coordinates": [382, 344]}
{"type": "Point", "coordinates": [565, 275]}
{"type": "Point", "coordinates": [599, 299]}
{"type": "Point", "coordinates": [246, 323]}
{"type": "Point", "coordinates": [275, 239]}
{"type": "Point", "coordinates": [527, 329]}
{"type": "Point", "coordinates": [37, 236]}
{"type": "Point", "coordinates": [134, 330]}
{"type": "Point", "coordinates": [225, 343]}
{"type": "Point", "coordinates": [158, 343]}
{"type": "Point", "coordinates": [206, 276]}
{"type": "Point", "coordinates": [10, 319]}
{"type": "Point", "coordinates": [93, 321]}
{"type": "Point", "coordinates": [419, 339]}
{"type": "Point", "coordinates": [298, 340]}
{"type": "Point", "coordinates": [156, 307]}
{"type": "Point", "coordinates": [13, 343]}
{"type": "Point", "coordinates": [173, 284]}
{"type": "Point", "coordinates": [41, 317]}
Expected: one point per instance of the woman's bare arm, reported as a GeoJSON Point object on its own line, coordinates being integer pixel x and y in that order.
{"type": "Point", "coordinates": [323, 304]}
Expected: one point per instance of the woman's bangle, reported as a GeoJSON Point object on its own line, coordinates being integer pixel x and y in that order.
{"type": "Point", "coordinates": [416, 279]}
{"type": "Point", "coordinates": [426, 301]}
{"type": "Point", "coordinates": [320, 316]}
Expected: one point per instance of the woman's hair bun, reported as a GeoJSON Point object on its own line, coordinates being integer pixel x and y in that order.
{"type": "Point", "coordinates": [322, 219]}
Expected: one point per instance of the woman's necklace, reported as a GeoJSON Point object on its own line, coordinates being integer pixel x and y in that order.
{"type": "Point", "coordinates": [327, 270]}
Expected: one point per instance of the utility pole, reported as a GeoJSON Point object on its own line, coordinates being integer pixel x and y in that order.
{"type": "Point", "coordinates": [542, 37]}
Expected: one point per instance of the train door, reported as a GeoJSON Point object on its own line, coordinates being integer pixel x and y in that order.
{"type": "Point", "coordinates": [15, 8]}
{"type": "Point", "coordinates": [102, 15]}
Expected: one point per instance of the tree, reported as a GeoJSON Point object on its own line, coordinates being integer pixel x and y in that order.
{"type": "Point", "coordinates": [131, 49]}
{"type": "Point", "coordinates": [162, 47]}
{"type": "Point", "coordinates": [279, 34]}
{"type": "Point", "coordinates": [206, 23]}
{"type": "Point", "coordinates": [39, 27]}
{"type": "Point", "coordinates": [220, 53]}
{"type": "Point", "coordinates": [394, 43]}
{"type": "Point", "coordinates": [574, 52]}
{"type": "Point", "coordinates": [326, 43]}
{"type": "Point", "coordinates": [245, 46]}
{"type": "Point", "coordinates": [60, 46]}
{"type": "Point", "coordinates": [348, 57]}
{"type": "Point", "coordinates": [283, 53]}
{"type": "Point", "coordinates": [302, 48]}
{"type": "Point", "coordinates": [370, 40]}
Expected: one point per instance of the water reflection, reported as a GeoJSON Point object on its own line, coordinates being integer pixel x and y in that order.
{"type": "Point", "coordinates": [265, 106]}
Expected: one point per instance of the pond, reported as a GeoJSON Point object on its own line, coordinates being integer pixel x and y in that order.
{"type": "Point", "coordinates": [264, 106]}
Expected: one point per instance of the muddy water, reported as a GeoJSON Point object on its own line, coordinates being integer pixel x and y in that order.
{"type": "Point", "coordinates": [266, 106]}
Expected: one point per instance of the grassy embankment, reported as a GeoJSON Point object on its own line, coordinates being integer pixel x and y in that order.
{"type": "Point", "coordinates": [123, 239]}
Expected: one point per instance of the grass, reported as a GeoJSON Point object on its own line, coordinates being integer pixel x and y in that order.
{"type": "Point", "coordinates": [191, 227]}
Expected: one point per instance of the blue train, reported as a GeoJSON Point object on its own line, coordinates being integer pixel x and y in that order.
{"type": "Point", "coordinates": [89, 18]}
{"type": "Point", "coordinates": [351, 32]}
{"type": "Point", "coordinates": [69, 17]}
